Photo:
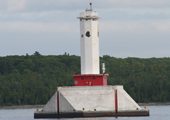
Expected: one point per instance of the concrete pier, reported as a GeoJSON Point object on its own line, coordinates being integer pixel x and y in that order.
{"type": "Point", "coordinates": [90, 101]}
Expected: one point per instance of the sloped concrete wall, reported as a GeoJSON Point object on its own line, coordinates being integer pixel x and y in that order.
{"type": "Point", "coordinates": [51, 106]}
{"type": "Point", "coordinates": [64, 104]}
{"type": "Point", "coordinates": [125, 102]}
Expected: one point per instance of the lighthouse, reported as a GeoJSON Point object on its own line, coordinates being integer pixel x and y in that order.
{"type": "Point", "coordinates": [89, 41]}
{"type": "Point", "coordinates": [90, 96]}
{"type": "Point", "coordinates": [89, 45]}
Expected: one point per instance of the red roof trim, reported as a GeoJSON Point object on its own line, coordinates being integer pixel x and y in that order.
{"type": "Point", "coordinates": [91, 75]}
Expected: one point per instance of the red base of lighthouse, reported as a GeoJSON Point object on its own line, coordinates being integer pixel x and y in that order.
{"type": "Point", "coordinates": [90, 80]}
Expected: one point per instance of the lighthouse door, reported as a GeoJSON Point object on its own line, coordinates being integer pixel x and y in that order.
{"type": "Point", "coordinates": [88, 81]}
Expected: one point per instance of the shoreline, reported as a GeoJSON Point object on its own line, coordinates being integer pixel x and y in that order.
{"type": "Point", "coordinates": [21, 106]}
{"type": "Point", "coordinates": [154, 103]}
{"type": "Point", "coordinates": [41, 106]}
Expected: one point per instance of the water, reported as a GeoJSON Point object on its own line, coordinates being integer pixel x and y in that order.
{"type": "Point", "coordinates": [161, 112]}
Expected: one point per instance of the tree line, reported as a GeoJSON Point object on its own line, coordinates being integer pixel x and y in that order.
{"type": "Point", "coordinates": [33, 79]}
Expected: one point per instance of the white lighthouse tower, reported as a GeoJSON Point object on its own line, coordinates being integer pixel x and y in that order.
{"type": "Point", "coordinates": [89, 40]}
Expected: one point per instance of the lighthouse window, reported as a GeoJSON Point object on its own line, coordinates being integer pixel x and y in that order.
{"type": "Point", "coordinates": [76, 82]}
{"type": "Point", "coordinates": [88, 34]}
{"type": "Point", "coordinates": [94, 78]}
{"type": "Point", "coordinates": [82, 35]}
{"type": "Point", "coordinates": [86, 19]}
{"type": "Point", "coordinates": [82, 78]}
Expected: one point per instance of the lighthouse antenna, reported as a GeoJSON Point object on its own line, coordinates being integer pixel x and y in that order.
{"type": "Point", "coordinates": [103, 67]}
{"type": "Point", "coordinates": [90, 8]}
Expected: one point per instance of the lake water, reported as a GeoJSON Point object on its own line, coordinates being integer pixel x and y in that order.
{"type": "Point", "coordinates": [160, 112]}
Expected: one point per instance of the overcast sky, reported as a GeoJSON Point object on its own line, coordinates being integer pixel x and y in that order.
{"type": "Point", "coordinates": [128, 28]}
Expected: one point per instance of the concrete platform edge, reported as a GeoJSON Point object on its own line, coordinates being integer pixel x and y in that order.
{"type": "Point", "coordinates": [92, 114]}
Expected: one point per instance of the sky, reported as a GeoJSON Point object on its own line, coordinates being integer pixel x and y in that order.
{"type": "Point", "coordinates": [128, 28]}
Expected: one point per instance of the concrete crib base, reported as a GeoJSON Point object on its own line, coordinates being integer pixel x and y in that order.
{"type": "Point", "coordinates": [92, 114]}
{"type": "Point", "coordinates": [90, 101]}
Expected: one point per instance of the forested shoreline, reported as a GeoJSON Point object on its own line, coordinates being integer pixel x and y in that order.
{"type": "Point", "coordinates": [33, 79]}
